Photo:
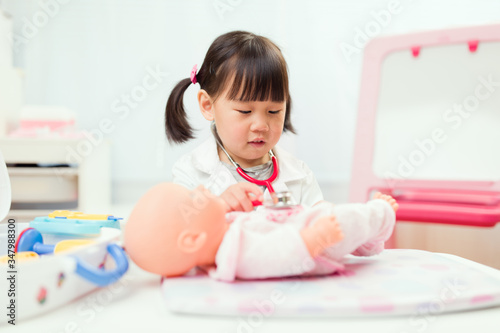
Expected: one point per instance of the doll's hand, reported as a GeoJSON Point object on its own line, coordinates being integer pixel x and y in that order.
{"type": "Point", "coordinates": [387, 198]}
{"type": "Point", "coordinates": [323, 234]}
{"type": "Point", "coordinates": [237, 196]}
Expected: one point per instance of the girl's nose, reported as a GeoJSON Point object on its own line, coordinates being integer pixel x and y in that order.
{"type": "Point", "coordinates": [259, 124]}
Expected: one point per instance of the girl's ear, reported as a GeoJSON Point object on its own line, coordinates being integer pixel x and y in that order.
{"type": "Point", "coordinates": [191, 242]}
{"type": "Point", "coordinates": [206, 105]}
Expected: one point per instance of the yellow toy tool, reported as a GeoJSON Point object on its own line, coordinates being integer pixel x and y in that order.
{"type": "Point", "coordinates": [31, 240]}
{"type": "Point", "coordinates": [77, 215]}
{"type": "Point", "coordinates": [19, 257]}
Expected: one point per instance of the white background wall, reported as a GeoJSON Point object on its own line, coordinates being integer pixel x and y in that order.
{"type": "Point", "coordinates": [87, 54]}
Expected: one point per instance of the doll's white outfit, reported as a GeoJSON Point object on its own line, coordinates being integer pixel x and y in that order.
{"type": "Point", "coordinates": [202, 166]}
{"type": "Point", "coordinates": [267, 242]}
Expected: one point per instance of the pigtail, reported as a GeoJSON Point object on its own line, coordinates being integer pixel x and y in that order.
{"type": "Point", "coordinates": [177, 126]}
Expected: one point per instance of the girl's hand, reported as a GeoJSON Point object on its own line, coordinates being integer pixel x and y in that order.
{"type": "Point", "coordinates": [237, 196]}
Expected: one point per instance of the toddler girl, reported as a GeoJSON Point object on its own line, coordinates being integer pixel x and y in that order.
{"type": "Point", "coordinates": [244, 93]}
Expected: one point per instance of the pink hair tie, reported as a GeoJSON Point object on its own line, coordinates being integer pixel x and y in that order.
{"type": "Point", "coordinates": [193, 74]}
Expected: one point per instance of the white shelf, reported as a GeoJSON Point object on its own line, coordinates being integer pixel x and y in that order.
{"type": "Point", "coordinates": [88, 176]}
{"type": "Point", "coordinates": [26, 150]}
{"type": "Point", "coordinates": [29, 171]}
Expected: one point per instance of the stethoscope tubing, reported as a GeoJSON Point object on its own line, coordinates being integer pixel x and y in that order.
{"type": "Point", "coordinates": [242, 173]}
{"type": "Point", "coordinates": [266, 182]}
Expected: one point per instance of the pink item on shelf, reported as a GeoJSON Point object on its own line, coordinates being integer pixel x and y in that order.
{"type": "Point", "coordinates": [40, 121]}
{"type": "Point", "coordinates": [46, 133]}
{"type": "Point", "coordinates": [53, 125]}
{"type": "Point", "coordinates": [462, 202]}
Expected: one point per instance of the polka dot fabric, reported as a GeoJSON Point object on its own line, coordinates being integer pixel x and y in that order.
{"type": "Point", "coordinates": [396, 282]}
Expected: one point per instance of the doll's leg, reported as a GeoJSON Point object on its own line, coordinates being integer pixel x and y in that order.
{"type": "Point", "coordinates": [390, 200]}
{"type": "Point", "coordinates": [377, 245]}
{"type": "Point", "coordinates": [365, 227]}
{"type": "Point", "coordinates": [325, 232]}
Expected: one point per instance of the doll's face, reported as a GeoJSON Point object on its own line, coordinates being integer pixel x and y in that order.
{"type": "Point", "coordinates": [204, 211]}
{"type": "Point", "coordinates": [172, 229]}
{"type": "Point", "coordinates": [205, 204]}
{"type": "Point", "coordinates": [193, 208]}
{"type": "Point", "coordinates": [204, 225]}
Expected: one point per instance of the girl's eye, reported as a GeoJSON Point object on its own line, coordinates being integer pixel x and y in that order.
{"type": "Point", "coordinates": [243, 111]}
{"type": "Point", "coordinates": [275, 112]}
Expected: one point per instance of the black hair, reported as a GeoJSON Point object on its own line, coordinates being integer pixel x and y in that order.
{"type": "Point", "coordinates": [252, 64]}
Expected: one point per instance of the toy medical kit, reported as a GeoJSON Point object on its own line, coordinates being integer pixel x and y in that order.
{"type": "Point", "coordinates": [85, 264]}
{"type": "Point", "coordinates": [56, 259]}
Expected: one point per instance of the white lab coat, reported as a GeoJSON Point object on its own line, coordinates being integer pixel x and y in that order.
{"type": "Point", "coordinates": [203, 167]}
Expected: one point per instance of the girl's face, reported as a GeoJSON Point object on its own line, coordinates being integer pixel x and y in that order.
{"type": "Point", "coordinates": [248, 130]}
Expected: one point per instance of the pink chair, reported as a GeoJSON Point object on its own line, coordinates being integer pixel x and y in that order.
{"type": "Point", "coordinates": [446, 196]}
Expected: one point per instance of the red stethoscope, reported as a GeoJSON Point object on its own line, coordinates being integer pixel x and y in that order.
{"type": "Point", "coordinates": [242, 173]}
{"type": "Point", "coordinates": [279, 200]}
{"type": "Point", "coordinates": [266, 182]}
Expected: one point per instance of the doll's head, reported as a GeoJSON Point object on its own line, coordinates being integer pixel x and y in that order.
{"type": "Point", "coordinates": [238, 66]}
{"type": "Point", "coordinates": [172, 229]}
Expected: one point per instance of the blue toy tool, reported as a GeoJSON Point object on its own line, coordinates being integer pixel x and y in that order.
{"type": "Point", "coordinates": [31, 240]}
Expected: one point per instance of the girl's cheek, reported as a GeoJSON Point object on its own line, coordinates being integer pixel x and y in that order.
{"type": "Point", "coordinates": [278, 124]}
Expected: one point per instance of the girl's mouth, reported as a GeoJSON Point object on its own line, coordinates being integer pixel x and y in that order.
{"type": "Point", "coordinates": [257, 143]}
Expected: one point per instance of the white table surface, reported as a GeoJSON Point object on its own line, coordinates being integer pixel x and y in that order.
{"type": "Point", "coordinates": [136, 304]}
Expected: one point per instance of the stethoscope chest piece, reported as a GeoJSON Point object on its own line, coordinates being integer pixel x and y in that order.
{"type": "Point", "coordinates": [280, 200]}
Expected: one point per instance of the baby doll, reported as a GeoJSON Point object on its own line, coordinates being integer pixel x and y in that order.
{"type": "Point", "coordinates": [172, 229]}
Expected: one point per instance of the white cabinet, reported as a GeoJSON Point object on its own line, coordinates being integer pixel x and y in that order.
{"type": "Point", "coordinates": [49, 174]}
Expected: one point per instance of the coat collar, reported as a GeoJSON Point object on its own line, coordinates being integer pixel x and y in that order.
{"type": "Point", "coordinates": [206, 159]}
{"type": "Point", "coordinates": [205, 156]}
